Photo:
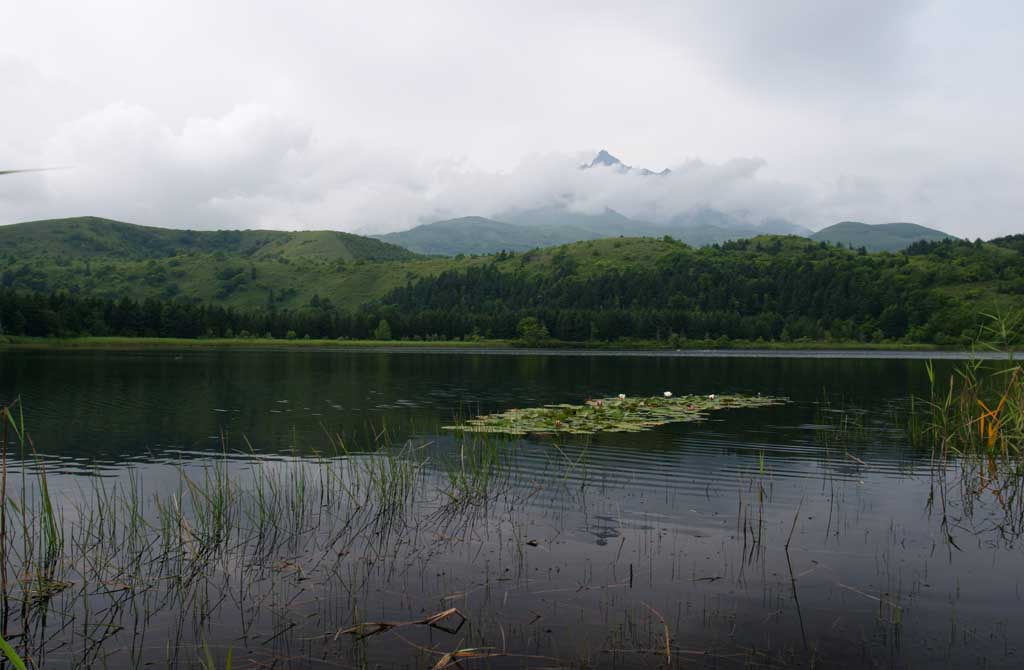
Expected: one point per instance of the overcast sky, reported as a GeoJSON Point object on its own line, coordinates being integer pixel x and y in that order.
{"type": "Point", "coordinates": [376, 116]}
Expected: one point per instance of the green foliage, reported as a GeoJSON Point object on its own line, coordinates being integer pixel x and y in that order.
{"type": "Point", "coordinates": [532, 330]}
{"type": "Point", "coordinates": [382, 331]}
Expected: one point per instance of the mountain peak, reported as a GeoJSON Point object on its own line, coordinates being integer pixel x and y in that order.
{"type": "Point", "coordinates": [605, 158]}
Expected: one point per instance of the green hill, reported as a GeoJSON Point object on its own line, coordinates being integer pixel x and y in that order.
{"type": "Point", "coordinates": [243, 268]}
{"type": "Point", "coordinates": [92, 237]}
{"type": "Point", "coordinates": [101, 277]}
{"type": "Point", "coordinates": [879, 237]}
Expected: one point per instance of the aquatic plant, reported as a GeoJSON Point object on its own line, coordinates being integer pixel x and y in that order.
{"type": "Point", "coordinates": [613, 415]}
{"type": "Point", "coordinates": [981, 407]}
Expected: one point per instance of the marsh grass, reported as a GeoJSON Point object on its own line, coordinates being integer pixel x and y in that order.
{"type": "Point", "coordinates": [973, 424]}
{"type": "Point", "coordinates": [979, 409]}
{"type": "Point", "coordinates": [475, 468]}
{"type": "Point", "coordinates": [102, 568]}
{"type": "Point", "coordinates": [114, 550]}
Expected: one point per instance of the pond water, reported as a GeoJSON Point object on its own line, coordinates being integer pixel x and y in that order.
{"type": "Point", "coordinates": [214, 502]}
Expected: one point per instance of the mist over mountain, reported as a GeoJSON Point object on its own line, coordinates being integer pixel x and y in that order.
{"type": "Point", "coordinates": [520, 229]}
{"type": "Point", "coordinates": [605, 159]}
{"type": "Point", "coordinates": [582, 215]}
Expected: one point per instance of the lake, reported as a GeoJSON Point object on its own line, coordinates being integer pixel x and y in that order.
{"type": "Point", "coordinates": [304, 508]}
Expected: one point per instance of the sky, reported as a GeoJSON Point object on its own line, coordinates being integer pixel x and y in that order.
{"type": "Point", "coordinates": [374, 117]}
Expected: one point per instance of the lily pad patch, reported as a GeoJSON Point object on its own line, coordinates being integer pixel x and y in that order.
{"type": "Point", "coordinates": [611, 415]}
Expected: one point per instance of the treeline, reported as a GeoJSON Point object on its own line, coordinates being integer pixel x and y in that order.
{"type": "Point", "coordinates": [66, 315]}
{"type": "Point", "coordinates": [747, 290]}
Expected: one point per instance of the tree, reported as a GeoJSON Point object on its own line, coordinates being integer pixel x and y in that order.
{"type": "Point", "coordinates": [532, 330]}
{"type": "Point", "coordinates": [382, 331]}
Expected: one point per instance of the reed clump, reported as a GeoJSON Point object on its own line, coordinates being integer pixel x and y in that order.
{"type": "Point", "coordinates": [980, 408]}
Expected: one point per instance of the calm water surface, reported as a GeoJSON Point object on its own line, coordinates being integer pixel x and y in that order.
{"type": "Point", "coordinates": [583, 552]}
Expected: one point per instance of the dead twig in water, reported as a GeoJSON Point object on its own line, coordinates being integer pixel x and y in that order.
{"type": "Point", "coordinates": [855, 459]}
{"type": "Point", "coordinates": [365, 630]}
{"type": "Point", "coordinates": [668, 638]}
{"type": "Point", "coordinates": [453, 657]}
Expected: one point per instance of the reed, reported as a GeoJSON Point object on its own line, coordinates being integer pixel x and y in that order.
{"type": "Point", "coordinates": [11, 655]}
{"type": "Point", "coordinates": [477, 467]}
{"type": "Point", "coordinates": [979, 409]}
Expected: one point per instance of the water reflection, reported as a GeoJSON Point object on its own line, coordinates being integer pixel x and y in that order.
{"type": "Point", "coordinates": [803, 534]}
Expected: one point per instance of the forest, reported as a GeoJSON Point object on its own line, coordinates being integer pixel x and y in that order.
{"type": "Point", "coordinates": [777, 289]}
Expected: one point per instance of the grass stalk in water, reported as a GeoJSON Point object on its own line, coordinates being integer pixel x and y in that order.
{"type": "Point", "coordinates": [4, 418]}
{"type": "Point", "coordinates": [475, 469]}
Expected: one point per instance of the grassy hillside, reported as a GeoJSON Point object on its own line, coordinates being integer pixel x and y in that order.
{"type": "Point", "coordinates": [246, 268]}
{"type": "Point", "coordinates": [880, 237]}
{"type": "Point", "coordinates": [89, 237]}
{"type": "Point", "coordinates": [239, 281]}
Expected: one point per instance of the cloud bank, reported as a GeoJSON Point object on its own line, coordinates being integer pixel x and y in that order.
{"type": "Point", "coordinates": [378, 117]}
{"type": "Point", "coordinates": [255, 168]}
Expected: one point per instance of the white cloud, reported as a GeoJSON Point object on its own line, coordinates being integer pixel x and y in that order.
{"type": "Point", "coordinates": [377, 116]}
{"type": "Point", "coordinates": [254, 167]}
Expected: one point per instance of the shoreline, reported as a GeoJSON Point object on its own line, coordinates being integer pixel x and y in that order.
{"type": "Point", "coordinates": [694, 349]}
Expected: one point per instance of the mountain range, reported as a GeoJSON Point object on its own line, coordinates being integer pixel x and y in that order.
{"type": "Point", "coordinates": [548, 226]}
{"type": "Point", "coordinates": [530, 228]}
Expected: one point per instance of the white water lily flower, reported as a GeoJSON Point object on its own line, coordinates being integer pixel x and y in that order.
{"type": "Point", "coordinates": [668, 394]}
{"type": "Point", "coordinates": [711, 397]}
{"type": "Point", "coordinates": [622, 396]}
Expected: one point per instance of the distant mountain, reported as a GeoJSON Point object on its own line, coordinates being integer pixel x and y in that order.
{"type": "Point", "coordinates": [521, 230]}
{"type": "Point", "coordinates": [783, 227]}
{"type": "Point", "coordinates": [608, 223]}
{"type": "Point", "coordinates": [90, 237]}
{"type": "Point", "coordinates": [879, 237]}
{"type": "Point", "coordinates": [605, 159]}
{"type": "Point", "coordinates": [704, 226]}
{"type": "Point", "coordinates": [479, 235]}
